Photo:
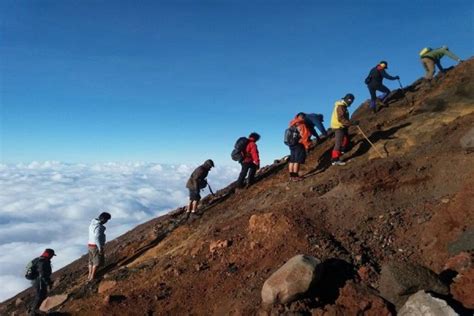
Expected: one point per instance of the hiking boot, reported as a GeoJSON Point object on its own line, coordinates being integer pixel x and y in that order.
{"type": "Point", "coordinates": [338, 163]}
{"type": "Point", "coordinates": [296, 179]}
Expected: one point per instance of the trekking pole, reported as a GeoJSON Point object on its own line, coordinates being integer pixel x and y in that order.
{"type": "Point", "coordinates": [373, 146]}
{"type": "Point", "coordinates": [404, 95]}
{"type": "Point", "coordinates": [210, 190]}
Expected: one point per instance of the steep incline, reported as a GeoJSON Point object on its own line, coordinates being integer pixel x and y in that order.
{"type": "Point", "coordinates": [415, 204]}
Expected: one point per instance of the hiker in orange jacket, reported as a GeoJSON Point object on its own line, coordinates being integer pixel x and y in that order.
{"type": "Point", "coordinates": [299, 149]}
{"type": "Point", "coordinates": [251, 161]}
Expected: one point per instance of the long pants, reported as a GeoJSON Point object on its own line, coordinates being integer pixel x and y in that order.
{"type": "Point", "coordinates": [251, 169]}
{"type": "Point", "coordinates": [41, 293]}
{"type": "Point", "coordinates": [373, 96]}
{"type": "Point", "coordinates": [429, 66]}
{"type": "Point", "coordinates": [342, 141]}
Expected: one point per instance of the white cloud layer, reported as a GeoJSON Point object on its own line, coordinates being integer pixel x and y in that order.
{"type": "Point", "coordinates": [50, 204]}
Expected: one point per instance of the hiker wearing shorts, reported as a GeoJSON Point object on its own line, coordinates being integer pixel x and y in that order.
{"type": "Point", "coordinates": [196, 182]}
{"type": "Point", "coordinates": [96, 243]}
{"type": "Point", "coordinates": [340, 124]}
{"type": "Point", "coordinates": [298, 151]}
{"type": "Point", "coordinates": [374, 84]}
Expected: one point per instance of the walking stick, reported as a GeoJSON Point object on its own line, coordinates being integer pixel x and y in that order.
{"type": "Point", "coordinates": [210, 190]}
{"type": "Point", "coordinates": [373, 146]}
{"type": "Point", "coordinates": [404, 95]}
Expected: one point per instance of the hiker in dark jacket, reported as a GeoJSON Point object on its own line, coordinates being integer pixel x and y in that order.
{"type": "Point", "coordinates": [43, 280]}
{"type": "Point", "coordinates": [196, 182]}
{"type": "Point", "coordinates": [313, 120]}
{"type": "Point", "coordinates": [96, 243]}
{"type": "Point", "coordinates": [251, 161]}
{"type": "Point", "coordinates": [374, 84]}
{"type": "Point", "coordinates": [431, 57]}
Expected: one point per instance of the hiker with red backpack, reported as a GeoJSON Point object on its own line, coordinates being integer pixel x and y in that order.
{"type": "Point", "coordinates": [96, 243]}
{"type": "Point", "coordinates": [340, 124]}
{"type": "Point", "coordinates": [39, 271]}
{"type": "Point", "coordinates": [196, 182]}
{"type": "Point", "coordinates": [298, 138]}
{"type": "Point", "coordinates": [431, 57]}
{"type": "Point", "coordinates": [374, 84]}
{"type": "Point", "coordinates": [248, 157]}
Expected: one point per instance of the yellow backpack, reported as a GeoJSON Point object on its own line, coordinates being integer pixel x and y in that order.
{"type": "Point", "coordinates": [424, 51]}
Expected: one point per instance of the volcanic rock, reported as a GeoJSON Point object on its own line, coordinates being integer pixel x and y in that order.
{"type": "Point", "coordinates": [422, 304]}
{"type": "Point", "coordinates": [53, 301]}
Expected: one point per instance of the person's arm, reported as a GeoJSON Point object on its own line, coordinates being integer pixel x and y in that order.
{"type": "Point", "coordinates": [452, 55]}
{"type": "Point", "coordinates": [341, 116]}
{"type": "Point", "coordinates": [98, 237]}
{"type": "Point", "coordinates": [196, 176]}
{"type": "Point", "coordinates": [387, 76]}
{"type": "Point", "coordinates": [253, 150]}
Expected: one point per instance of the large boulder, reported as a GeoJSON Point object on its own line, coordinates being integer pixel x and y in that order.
{"type": "Point", "coordinates": [399, 280]}
{"type": "Point", "coordinates": [53, 301]}
{"type": "Point", "coordinates": [421, 304]}
{"type": "Point", "coordinates": [290, 281]}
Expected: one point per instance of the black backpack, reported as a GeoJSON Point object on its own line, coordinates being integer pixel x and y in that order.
{"type": "Point", "coordinates": [292, 136]}
{"type": "Point", "coordinates": [239, 148]}
{"type": "Point", "coordinates": [31, 270]}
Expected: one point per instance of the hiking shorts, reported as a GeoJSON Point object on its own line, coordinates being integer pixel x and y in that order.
{"type": "Point", "coordinates": [297, 154]}
{"type": "Point", "coordinates": [95, 258]}
{"type": "Point", "coordinates": [194, 195]}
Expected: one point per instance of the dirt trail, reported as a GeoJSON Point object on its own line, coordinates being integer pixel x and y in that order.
{"type": "Point", "coordinates": [414, 205]}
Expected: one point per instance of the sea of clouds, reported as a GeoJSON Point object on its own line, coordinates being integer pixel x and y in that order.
{"type": "Point", "coordinates": [50, 204]}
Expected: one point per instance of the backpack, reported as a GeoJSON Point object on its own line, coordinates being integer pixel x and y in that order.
{"type": "Point", "coordinates": [424, 51]}
{"type": "Point", "coordinates": [31, 270]}
{"type": "Point", "coordinates": [292, 136]}
{"type": "Point", "coordinates": [239, 148]}
{"type": "Point", "coordinates": [368, 79]}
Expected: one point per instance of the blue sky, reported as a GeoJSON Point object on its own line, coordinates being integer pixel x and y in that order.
{"type": "Point", "coordinates": [180, 81]}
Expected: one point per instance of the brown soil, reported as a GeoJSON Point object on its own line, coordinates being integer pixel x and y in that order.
{"type": "Point", "coordinates": [415, 204]}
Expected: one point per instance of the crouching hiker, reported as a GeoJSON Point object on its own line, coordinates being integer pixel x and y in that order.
{"type": "Point", "coordinates": [339, 124]}
{"type": "Point", "coordinates": [96, 243]}
{"type": "Point", "coordinates": [431, 57]}
{"type": "Point", "coordinates": [196, 183]}
{"type": "Point", "coordinates": [297, 137]}
{"type": "Point", "coordinates": [313, 120]}
{"type": "Point", "coordinates": [39, 272]}
{"type": "Point", "coordinates": [250, 160]}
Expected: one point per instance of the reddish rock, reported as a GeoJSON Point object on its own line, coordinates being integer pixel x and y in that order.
{"type": "Point", "coordinates": [358, 299]}
{"type": "Point", "coordinates": [462, 288]}
{"type": "Point", "coordinates": [268, 225]}
{"type": "Point", "coordinates": [53, 301]}
{"type": "Point", "coordinates": [459, 263]}
{"type": "Point", "coordinates": [219, 244]}
{"type": "Point", "coordinates": [106, 286]}
{"type": "Point", "coordinates": [363, 273]}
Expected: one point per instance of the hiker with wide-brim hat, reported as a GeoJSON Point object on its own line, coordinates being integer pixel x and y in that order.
{"type": "Point", "coordinates": [196, 182]}
{"type": "Point", "coordinates": [39, 272]}
{"type": "Point", "coordinates": [374, 83]}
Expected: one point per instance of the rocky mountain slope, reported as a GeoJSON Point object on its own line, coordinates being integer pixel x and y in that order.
{"type": "Point", "coordinates": [367, 222]}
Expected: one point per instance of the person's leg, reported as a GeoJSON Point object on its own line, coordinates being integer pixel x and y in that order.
{"type": "Point", "coordinates": [252, 172]}
{"type": "Point", "coordinates": [94, 270]}
{"type": "Point", "coordinates": [243, 174]}
{"type": "Point", "coordinates": [345, 140]}
{"type": "Point", "coordinates": [41, 294]}
{"type": "Point", "coordinates": [373, 98]}
{"type": "Point", "coordinates": [336, 152]}
{"type": "Point", "coordinates": [291, 164]}
{"type": "Point", "coordinates": [385, 92]}
{"type": "Point", "coordinates": [194, 206]}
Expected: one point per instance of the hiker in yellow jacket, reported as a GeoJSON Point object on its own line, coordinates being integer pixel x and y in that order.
{"type": "Point", "coordinates": [339, 124]}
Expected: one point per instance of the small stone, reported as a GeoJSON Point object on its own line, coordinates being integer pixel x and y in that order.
{"type": "Point", "coordinates": [18, 302]}
{"type": "Point", "coordinates": [219, 244]}
{"type": "Point", "coordinates": [422, 303]}
{"type": "Point", "coordinates": [445, 201]}
{"type": "Point", "coordinates": [53, 301]}
{"type": "Point", "coordinates": [106, 285]}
